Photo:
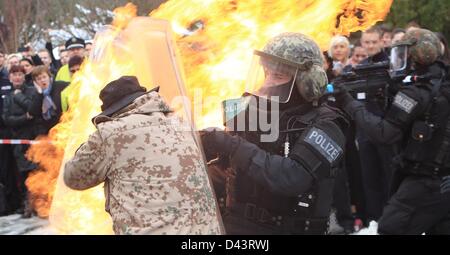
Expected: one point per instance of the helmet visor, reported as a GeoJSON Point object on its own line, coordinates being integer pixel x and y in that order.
{"type": "Point", "coordinates": [399, 58]}
{"type": "Point", "coordinates": [271, 77]}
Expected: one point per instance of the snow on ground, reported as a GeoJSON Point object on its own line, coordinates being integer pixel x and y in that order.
{"type": "Point", "coordinates": [336, 229]}
{"type": "Point", "coordinates": [371, 230]}
{"type": "Point", "coordinates": [16, 225]}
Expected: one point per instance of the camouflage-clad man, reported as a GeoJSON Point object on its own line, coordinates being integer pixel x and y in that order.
{"type": "Point", "coordinates": [282, 185]}
{"type": "Point", "coordinates": [154, 174]}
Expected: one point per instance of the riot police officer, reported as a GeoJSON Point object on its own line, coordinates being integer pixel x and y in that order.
{"type": "Point", "coordinates": [418, 123]}
{"type": "Point", "coordinates": [282, 186]}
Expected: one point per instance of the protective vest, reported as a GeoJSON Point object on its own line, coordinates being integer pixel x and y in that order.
{"type": "Point", "coordinates": [312, 205]}
{"type": "Point", "coordinates": [426, 148]}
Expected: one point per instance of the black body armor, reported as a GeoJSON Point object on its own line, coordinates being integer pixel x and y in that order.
{"type": "Point", "coordinates": [305, 213]}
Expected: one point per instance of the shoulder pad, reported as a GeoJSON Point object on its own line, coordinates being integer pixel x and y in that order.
{"type": "Point", "coordinates": [324, 144]}
{"type": "Point", "coordinates": [407, 104]}
{"type": "Point", "coordinates": [320, 149]}
{"type": "Point", "coordinates": [404, 102]}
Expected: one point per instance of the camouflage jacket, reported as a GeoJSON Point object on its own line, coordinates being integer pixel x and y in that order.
{"type": "Point", "coordinates": [154, 174]}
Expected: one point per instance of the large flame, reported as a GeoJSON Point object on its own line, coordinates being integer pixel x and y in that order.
{"type": "Point", "coordinates": [215, 58]}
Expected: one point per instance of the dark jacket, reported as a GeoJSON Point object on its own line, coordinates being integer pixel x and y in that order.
{"type": "Point", "coordinates": [37, 60]}
{"type": "Point", "coordinates": [15, 110]}
{"type": "Point", "coordinates": [377, 58]}
{"type": "Point", "coordinates": [4, 79]}
{"type": "Point", "coordinates": [5, 90]}
{"type": "Point", "coordinates": [43, 126]}
{"type": "Point", "coordinates": [29, 80]}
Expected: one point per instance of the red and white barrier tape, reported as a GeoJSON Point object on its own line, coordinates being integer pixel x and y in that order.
{"type": "Point", "coordinates": [18, 141]}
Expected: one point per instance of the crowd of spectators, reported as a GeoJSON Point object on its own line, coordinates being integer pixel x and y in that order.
{"type": "Point", "coordinates": [33, 97]}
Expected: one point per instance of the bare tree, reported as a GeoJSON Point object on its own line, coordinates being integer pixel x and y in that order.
{"type": "Point", "coordinates": [14, 14]}
{"type": "Point", "coordinates": [25, 21]}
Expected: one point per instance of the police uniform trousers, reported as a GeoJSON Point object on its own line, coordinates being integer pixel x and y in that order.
{"type": "Point", "coordinates": [417, 207]}
{"type": "Point", "coordinates": [341, 201]}
{"type": "Point", "coordinates": [376, 168]}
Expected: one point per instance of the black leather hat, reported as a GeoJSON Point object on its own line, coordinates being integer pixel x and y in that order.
{"type": "Point", "coordinates": [75, 42]}
{"type": "Point", "coordinates": [120, 93]}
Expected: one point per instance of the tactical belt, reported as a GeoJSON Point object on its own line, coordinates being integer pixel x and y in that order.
{"type": "Point", "coordinates": [291, 224]}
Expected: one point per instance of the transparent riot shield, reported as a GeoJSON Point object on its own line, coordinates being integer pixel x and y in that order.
{"type": "Point", "coordinates": [145, 48]}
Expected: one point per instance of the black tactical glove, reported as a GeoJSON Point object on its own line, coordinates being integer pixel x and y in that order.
{"type": "Point", "coordinates": [347, 103]}
{"type": "Point", "coordinates": [445, 186]}
{"type": "Point", "coordinates": [218, 142]}
{"type": "Point", "coordinates": [343, 98]}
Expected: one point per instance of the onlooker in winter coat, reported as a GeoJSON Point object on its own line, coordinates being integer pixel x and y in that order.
{"type": "Point", "coordinates": [46, 104]}
{"type": "Point", "coordinates": [28, 66]}
{"type": "Point", "coordinates": [339, 51]}
{"type": "Point", "coordinates": [13, 60]}
{"type": "Point", "coordinates": [372, 41]}
{"type": "Point", "coordinates": [8, 188]}
{"type": "Point", "coordinates": [4, 78]}
{"type": "Point", "coordinates": [47, 59]}
{"type": "Point", "coordinates": [352, 164]}
{"type": "Point", "coordinates": [375, 158]}
{"type": "Point", "coordinates": [397, 35]}
{"type": "Point", "coordinates": [16, 116]}
{"type": "Point", "coordinates": [5, 84]}
{"type": "Point", "coordinates": [28, 53]}
{"type": "Point", "coordinates": [358, 54]}
{"type": "Point", "coordinates": [64, 57]}
{"type": "Point", "coordinates": [386, 36]}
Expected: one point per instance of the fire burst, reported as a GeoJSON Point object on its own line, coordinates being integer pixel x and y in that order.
{"type": "Point", "coordinates": [215, 59]}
